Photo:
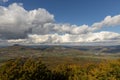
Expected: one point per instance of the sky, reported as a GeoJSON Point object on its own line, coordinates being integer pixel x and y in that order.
{"type": "Point", "coordinates": [60, 22]}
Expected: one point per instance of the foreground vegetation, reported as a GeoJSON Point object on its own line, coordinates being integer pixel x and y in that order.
{"type": "Point", "coordinates": [34, 69]}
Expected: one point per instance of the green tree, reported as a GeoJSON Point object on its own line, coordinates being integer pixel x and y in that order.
{"type": "Point", "coordinates": [28, 69]}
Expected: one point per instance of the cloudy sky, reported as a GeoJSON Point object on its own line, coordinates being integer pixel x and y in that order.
{"type": "Point", "coordinates": [60, 22]}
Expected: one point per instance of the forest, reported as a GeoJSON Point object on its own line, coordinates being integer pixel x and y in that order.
{"type": "Point", "coordinates": [35, 69]}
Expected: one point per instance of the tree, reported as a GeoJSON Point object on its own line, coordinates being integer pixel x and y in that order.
{"type": "Point", "coordinates": [25, 69]}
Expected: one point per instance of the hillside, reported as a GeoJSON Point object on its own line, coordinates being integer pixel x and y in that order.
{"type": "Point", "coordinates": [60, 54]}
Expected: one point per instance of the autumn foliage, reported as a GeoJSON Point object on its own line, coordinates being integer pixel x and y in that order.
{"type": "Point", "coordinates": [34, 69]}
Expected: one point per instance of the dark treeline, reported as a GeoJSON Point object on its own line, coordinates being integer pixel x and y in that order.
{"type": "Point", "coordinates": [34, 69]}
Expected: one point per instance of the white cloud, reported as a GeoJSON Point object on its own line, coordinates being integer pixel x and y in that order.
{"type": "Point", "coordinates": [18, 25]}
{"type": "Point", "coordinates": [4, 0]}
{"type": "Point", "coordinates": [107, 22]}
{"type": "Point", "coordinates": [16, 20]}
{"type": "Point", "coordinates": [56, 38]}
{"type": "Point", "coordinates": [17, 41]}
{"type": "Point", "coordinates": [71, 29]}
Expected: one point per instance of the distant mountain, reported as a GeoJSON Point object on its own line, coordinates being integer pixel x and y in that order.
{"type": "Point", "coordinates": [100, 49]}
{"type": "Point", "coordinates": [53, 51]}
{"type": "Point", "coordinates": [91, 49]}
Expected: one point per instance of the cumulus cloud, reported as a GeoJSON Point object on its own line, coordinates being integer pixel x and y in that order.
{"type": "Point", "coordinates": [17, 41]}
{"type": "Point", "coordinates": [69, 38]}
{"type": "Point", "coordinates": [71, 29]}
{"type": "Point", "coordinates": [4, 0]}
{"type": "Point", "coordinates": [18, 25]}
{"type": "Point", "coordinates": [107, 22]}
{"type": "Point", "coordinates": [17, 22]}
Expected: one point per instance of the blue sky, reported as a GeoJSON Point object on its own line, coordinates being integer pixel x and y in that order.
{"type": "Point", "coordinates": [75, 11]}
{"type": "Point", "coordinates": [81, 13]}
